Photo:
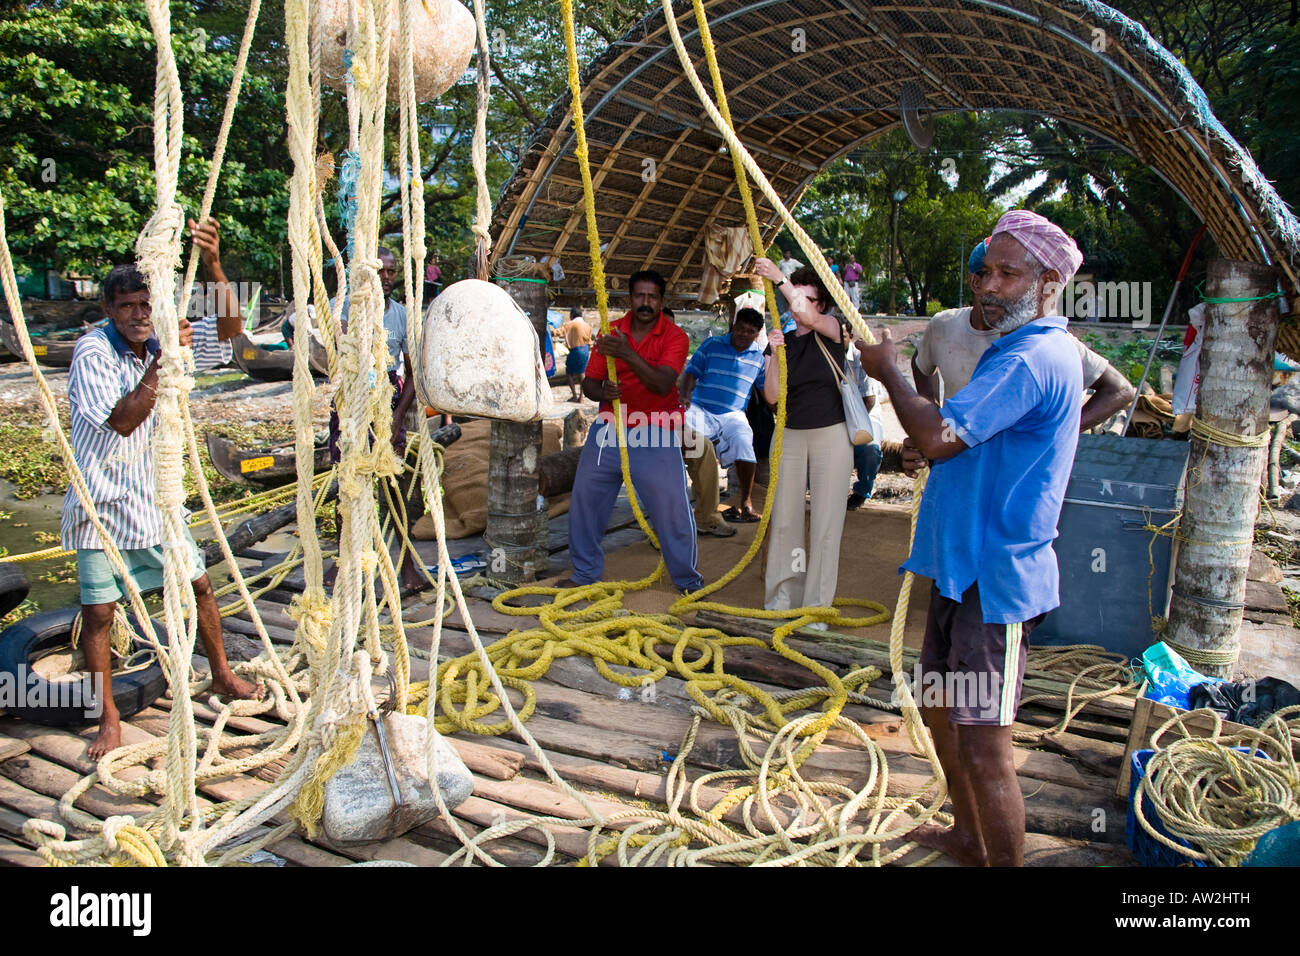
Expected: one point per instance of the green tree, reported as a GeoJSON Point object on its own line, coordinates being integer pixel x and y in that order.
{"type": "Point", "coordinates": [76, 135]}
{"type": "Point", "coordinates": [76, 138]}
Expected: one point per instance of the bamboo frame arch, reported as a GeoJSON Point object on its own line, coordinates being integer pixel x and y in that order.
{"type": "Point", "coordinates": [798, 110]}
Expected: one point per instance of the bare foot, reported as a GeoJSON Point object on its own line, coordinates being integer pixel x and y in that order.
{"type": "Point", "coordinates": [966, 850]}
{"type": "Point", "coordinates": [109, 738]}
{"type": "Point", "coordinates": [330, 576]}
{"type": "Point", "coordinates": [412, 583]}
{"type": "Point", "coordinates": [228, 685]}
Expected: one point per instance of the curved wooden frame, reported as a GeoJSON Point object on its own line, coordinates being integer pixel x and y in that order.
{"type": "Point", "coordinates": [1024, 55]}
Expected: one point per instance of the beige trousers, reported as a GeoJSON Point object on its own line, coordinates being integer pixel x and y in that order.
{"type": "Point", "coordinates": [703, 472]}
{"type": "Point", "coordinates": [804, 572]}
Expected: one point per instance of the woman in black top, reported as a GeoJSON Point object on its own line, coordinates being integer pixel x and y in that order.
{"type": "Point", "coordinates": [816, 453]}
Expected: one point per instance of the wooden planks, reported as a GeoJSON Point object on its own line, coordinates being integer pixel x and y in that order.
{"type": "Point", "coordinates": [11, 747]}
{"type": "Point", "coordinates": [612, 743]}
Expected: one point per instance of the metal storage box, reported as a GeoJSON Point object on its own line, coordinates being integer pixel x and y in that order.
{"type": "Point", "coordinates": [1114, 574]}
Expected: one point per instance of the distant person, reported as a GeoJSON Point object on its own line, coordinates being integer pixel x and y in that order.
{"type": "Point", "coordinates": [787, 265]}
{"type": "Point", "coordinates": [852, 280]}
{"type": "Point", "coordinates": [112, 390]}
{"type": "Point", "coordinates": [715, 388]}
{"type": "Point", "coordinates": [650, 351]}
{"type": "Point", "coordinates": [577, 336]}
{"type": "Point", "coordinates": [432, 279]}
{"type": "Point", "coordinates": [955, 339]}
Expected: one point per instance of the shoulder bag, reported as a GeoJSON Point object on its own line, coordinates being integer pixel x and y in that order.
{"type": "Point", "coordinates": [855, 413]}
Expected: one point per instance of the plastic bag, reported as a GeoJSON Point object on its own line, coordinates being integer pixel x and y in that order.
{"type": "Point", "coordinates": [1169, 677]}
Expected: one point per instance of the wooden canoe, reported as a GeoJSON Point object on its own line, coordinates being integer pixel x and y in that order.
{"type": "Point", "coordinates": [261, 466]}
{"type": "Point", "coordinates": [316, 357]}
{"type": "Point", "coordinates": [52, 347]}
{"type": "Point", "coordinates": [265, 365]}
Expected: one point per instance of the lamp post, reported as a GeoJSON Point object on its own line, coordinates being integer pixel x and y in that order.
{"type": "Point", "coordinates": [898, 197]}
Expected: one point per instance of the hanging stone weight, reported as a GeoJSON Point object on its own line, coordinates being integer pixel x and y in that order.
{"type": "Point", "coordinates": [360, 803]}
{"type": "Point", "coordinates": [480, 356]}
{"type": "Point", "coordinates": [442, 43]}
{"type": "Point", "coordinates": [516, 522]}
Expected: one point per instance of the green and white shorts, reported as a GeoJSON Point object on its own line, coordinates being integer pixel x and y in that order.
{"type": "Point", "coordinates": [99, 585]}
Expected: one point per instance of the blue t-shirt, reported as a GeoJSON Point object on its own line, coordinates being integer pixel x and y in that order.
{"type": "Point", "coordinates": [723, 376]}
{"type": "Point", "coordinates": [989, 513]}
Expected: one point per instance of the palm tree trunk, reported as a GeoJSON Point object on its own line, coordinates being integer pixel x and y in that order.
{"type": "Point", "coordinates": [1217, 530]}
{"type": "Point", "coordinates": [516, 526]}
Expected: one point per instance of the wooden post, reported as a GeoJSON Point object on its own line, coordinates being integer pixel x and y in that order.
{"type": "Point", "coordinates": [1217, 530]}
{"type": "Point", "coordinates": [516, 527]}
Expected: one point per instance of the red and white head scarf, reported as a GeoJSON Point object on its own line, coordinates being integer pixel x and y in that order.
{"type": "Point", "coordinates": [1045, 240]}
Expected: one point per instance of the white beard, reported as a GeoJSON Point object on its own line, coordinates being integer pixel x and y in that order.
{"type": "Point", "coordinates": [1014, 313]}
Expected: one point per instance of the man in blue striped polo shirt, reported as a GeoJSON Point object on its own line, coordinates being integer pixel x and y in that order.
{"type": "Point", "coordinates": [111, 391]}
{"type": "Point", "coordinates": [715, 387]}
{"type": "Point", "coordinates": [1002, 448]}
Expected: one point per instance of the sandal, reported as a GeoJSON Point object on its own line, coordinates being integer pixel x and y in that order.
{"type": "Point", "coordinates": [736, 516]}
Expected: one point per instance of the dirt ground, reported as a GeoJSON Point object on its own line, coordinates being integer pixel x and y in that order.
{"type": "Point", "coordinates": [874, 545]}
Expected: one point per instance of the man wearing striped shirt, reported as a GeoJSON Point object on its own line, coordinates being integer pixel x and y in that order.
{"type": "Point", "coordinates": [111, 391]}
{"type": "Point", "coordinates": [715, 387]}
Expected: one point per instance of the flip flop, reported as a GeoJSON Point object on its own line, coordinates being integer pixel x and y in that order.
{"type": "Point", "coordinates": [465, 564]}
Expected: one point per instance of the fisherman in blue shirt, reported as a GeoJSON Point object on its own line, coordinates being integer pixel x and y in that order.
{"type": "Point", "coordinates": [1002, 449]}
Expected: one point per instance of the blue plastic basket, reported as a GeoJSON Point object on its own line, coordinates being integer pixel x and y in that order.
{"type": "Point", "coordinates": [1147, 850]}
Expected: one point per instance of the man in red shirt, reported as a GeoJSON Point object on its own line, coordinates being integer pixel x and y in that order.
{"type": "Point", "coordinates": [649, 353]}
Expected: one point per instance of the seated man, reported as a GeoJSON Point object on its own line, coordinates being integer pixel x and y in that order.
{"type": "Point", "coordinates": [649, 351]}
{"type": "Point", "coordinates": [715, 388]}
{"type": "Point", "coordinates": [111, 391]}
{"type": "Point", "coordinates": [956, 338]}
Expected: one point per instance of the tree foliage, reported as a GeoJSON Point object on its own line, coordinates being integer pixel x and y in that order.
{"type": "Point", "coordinates": [76, 135]}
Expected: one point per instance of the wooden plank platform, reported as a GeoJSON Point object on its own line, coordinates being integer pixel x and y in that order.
{"type": "Point", "coordinates": [607, 742]}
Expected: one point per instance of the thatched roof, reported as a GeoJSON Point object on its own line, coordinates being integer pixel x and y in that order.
{"type": "Point", "coordinates": [799, 110]}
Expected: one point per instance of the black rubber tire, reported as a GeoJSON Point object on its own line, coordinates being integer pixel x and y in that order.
{"type": "Point", "coordinates": [13, 587]}
{"type": "Point", "coordinates": [34, 636]}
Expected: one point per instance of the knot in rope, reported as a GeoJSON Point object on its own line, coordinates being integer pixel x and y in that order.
{"type": "Point", "coordinates": [367, 285]}
{"type": "Point", "coordinates": [112, 827]}
{"type": "Point", "coordinates": [158, 248]}
{"type": "Point", "coordinates": [311, 610]}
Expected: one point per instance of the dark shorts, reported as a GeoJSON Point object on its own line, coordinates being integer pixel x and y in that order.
{"type": "Point", "coordinates": [336, 455]}
{"type": "Point", "coordinates": [972, 668]}
{"type": "Point", "coordinates": [576, 361]}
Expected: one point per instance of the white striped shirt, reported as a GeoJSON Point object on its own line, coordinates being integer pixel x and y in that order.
{"type": "Point", "coordinates": [118, 468]}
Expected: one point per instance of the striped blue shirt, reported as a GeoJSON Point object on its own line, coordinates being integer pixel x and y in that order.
{"type": "Point", "coordinates": [724, 376]}
{"type": "Point", "coordinates": [118, 468]}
